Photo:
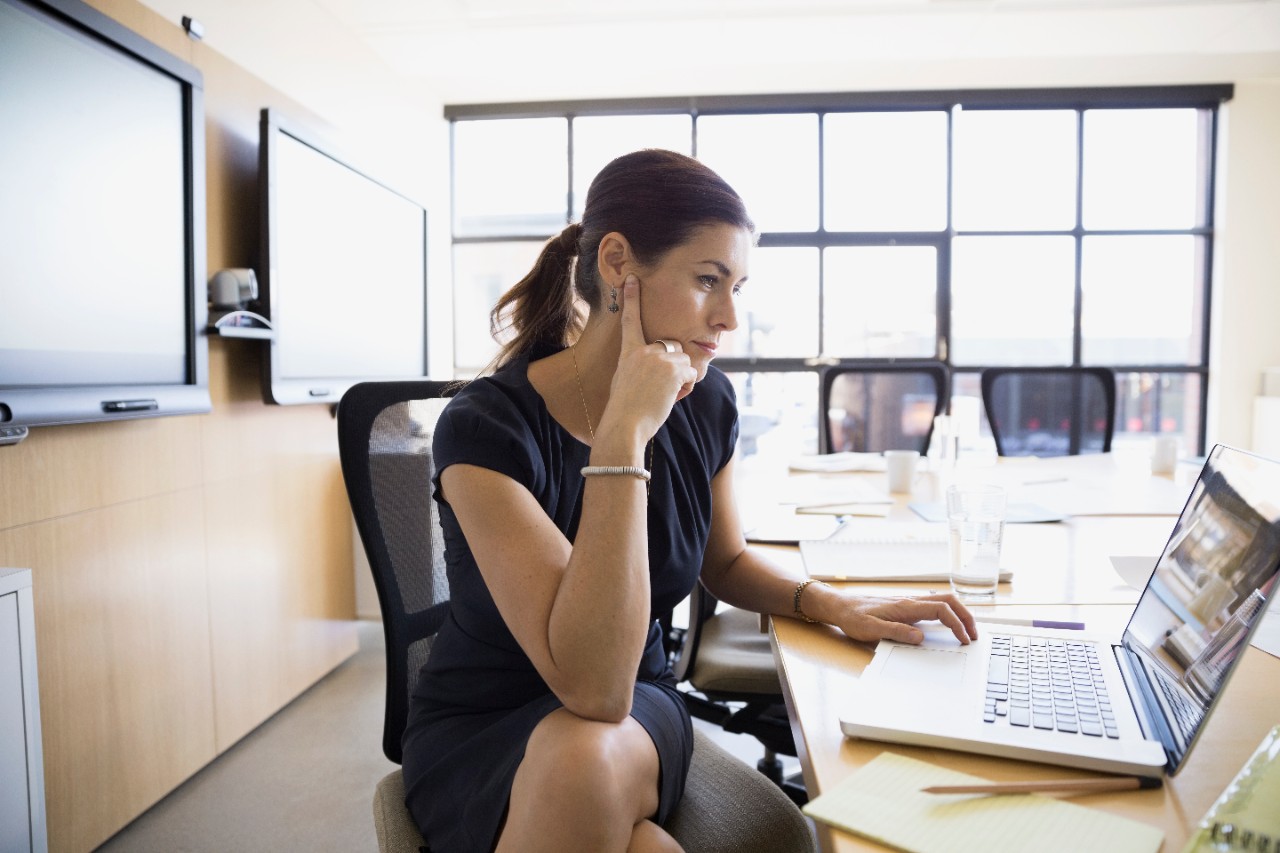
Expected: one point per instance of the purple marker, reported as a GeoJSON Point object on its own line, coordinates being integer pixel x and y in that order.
{"type": "Point", "coordinates": [1032, 623]}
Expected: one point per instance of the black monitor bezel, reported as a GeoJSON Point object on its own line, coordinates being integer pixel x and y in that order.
{"type": "Point", "coordinates": [40, 405]}
{"type": "Point", "coordinates": [276, 388]}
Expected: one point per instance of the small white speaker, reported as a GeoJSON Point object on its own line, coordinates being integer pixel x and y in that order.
{"type": "Point", "coordinates": [233, 288]}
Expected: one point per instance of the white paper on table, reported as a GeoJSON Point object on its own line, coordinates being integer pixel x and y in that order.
{"type": "Point", "coordinates": [1134, 571]}
{"type": "Point", "coordinates": [1095, 484]}
{"type": "Point", "coordinates": [1015, 513]}
{"type": "Point", "coordinates": [1267, 637]}
{"type": "Point", "coordinates": [827, 463]}
{"type": "Point", "coordinates": [792, 529]}
{"type": "Point", "coordinates": [880, 510]}
{"type": "Point", "coordinates": [824, 491]}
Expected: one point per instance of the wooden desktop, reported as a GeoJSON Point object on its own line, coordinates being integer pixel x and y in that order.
{"type": "Point", "coordinates": [1062, 571]}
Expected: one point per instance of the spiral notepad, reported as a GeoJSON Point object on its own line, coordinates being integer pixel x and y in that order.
{"type": "Point", "coordinates": [882, 551]}
{"type": "Point", "coordinates": [1246, 816]}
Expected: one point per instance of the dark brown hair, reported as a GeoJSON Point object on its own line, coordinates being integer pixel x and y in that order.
{"type": "Point", "coordinates": [657, 199]}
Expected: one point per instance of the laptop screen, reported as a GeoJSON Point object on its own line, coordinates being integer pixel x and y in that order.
{"type": "Point", "coordinates": [1214, 579]}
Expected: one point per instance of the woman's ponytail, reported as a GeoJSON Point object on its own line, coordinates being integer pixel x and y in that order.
{"type": "Point", "coordinates": [540, 310]}
{"type": "Point", "coordinates": [656, 199]}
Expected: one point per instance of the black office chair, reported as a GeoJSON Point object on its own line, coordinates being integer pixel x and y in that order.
{"type": "Point", "coordinates": [1050, 411]}
{"type": "Point", "coordinates": [728, 677]}
{"type": "Point", "coordinates": [384, 442]}
{"type": "Point", "coordinates": [887, 405]}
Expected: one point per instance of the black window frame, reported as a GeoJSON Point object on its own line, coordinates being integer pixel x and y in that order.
{"type": "Point", "coordinates": [1205, 98]}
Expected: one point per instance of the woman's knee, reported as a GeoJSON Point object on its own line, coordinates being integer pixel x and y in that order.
{"type": "Point", "coordinates": [648, 837]}
{"type": "Point", "coordinates": [607, 764]}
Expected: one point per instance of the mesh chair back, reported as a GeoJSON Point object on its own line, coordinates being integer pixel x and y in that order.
{"type": "Point", "coordinates": [384, 444]}
{"type": "Point", "coordinates": [882, 405]}
{"type": "Point", "coordinates": [702, 606]}
{"type": "Point", "coordinates": [1050, 411]}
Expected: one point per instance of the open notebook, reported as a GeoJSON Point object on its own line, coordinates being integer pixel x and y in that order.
{"type": "Point", "coordinates": [874, 550]}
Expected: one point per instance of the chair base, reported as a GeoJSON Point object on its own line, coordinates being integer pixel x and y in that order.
{"type": "Point", "coordinates": [793, 786]}
{"type": "Point", "coordinates": [766, 721]}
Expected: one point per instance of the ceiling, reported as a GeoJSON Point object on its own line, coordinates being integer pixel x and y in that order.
{"type": "Point", "coordinates": [475, 51]}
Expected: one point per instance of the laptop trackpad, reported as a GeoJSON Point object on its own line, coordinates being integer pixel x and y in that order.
{"type": "Point", "coordinates": [934, 666]}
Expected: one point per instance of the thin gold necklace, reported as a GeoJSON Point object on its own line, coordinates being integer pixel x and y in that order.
{"type": "Point", "coordinates": [577, 374]}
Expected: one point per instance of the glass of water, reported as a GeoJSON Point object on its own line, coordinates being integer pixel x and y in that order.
{"type": "Point", "coordinates": [975, 516]}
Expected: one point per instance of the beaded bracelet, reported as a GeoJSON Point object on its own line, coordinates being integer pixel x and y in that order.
{"type": "Point", "coordinates": [608, 470]}
{"type": "Point", "coordinates": [796, 600]}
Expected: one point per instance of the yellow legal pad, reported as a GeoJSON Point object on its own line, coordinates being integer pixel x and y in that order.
{"type": "Point", "coordinates": [883, 801]}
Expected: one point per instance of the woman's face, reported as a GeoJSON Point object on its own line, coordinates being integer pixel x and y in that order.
{"type": "Point", "coordinates": [689, 297]}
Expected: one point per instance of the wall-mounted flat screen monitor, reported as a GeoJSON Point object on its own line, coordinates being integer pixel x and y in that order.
{"type": "Point", "coordinates": [343, 273]}
{"type": "Point", "coordinates": [102, 221]}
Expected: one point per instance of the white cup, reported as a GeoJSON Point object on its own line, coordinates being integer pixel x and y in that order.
{"type": "Point", "coordinates": [1164, 454]}
{"type": "Point", "coordinates": [975, 517]}
{"type": "Point", "coordinates": [901, 465]}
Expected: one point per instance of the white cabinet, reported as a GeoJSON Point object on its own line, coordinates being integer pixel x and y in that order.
{"type": "Point", "coordinates": [22, 813]}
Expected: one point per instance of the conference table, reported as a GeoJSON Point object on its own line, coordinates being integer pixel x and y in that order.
{"type": "Point", "coordinates": [1084, 568]}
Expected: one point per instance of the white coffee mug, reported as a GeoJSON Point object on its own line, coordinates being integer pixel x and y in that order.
{"type": "Point", "coordinates": [1164, 454]}
{"type": "Point", "coordinates": [901, 465]}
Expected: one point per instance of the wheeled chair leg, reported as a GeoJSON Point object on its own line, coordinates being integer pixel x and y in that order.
{"type": "Point", "coordinates": [771, 767]}
{"type": "Point", "coordinates": [792, 786]}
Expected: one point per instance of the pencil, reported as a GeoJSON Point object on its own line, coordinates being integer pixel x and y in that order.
{"type": "Point", "coordinates": [1118, 783]}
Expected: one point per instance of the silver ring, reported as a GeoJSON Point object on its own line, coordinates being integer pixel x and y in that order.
{"type": "Point", "coordinates": [668, 346]}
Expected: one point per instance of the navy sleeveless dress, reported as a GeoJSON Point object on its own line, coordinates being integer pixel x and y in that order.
{"type": "Point", "coordinates": [478, 698]}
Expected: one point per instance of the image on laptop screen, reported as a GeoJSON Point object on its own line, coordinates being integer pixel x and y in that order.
{"type": "Point", "coordinates": [1214, 579]}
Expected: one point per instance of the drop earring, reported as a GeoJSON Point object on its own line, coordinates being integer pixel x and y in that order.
{"type": "Point", "coordinates": [614, 307]}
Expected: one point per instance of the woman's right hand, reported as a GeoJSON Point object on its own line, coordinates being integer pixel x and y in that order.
{"type": "Point", "coordinates": [648, 380]}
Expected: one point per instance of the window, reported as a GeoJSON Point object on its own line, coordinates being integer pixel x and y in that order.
{"type": "Point", "coordinates": [983, 228]}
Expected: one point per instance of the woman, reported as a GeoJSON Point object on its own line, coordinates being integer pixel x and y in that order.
{"type": "Point", "coordinates": [585, 487]}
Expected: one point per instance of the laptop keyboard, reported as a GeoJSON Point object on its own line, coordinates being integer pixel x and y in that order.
{"type": "Point", "coordinates": [1186, 714]}
{"type": "Point", "coordinates": [1041, 683]}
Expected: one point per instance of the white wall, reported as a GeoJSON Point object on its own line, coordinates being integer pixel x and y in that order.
{"type": "Point", "coordinates": [1244, 338]}
{"type": "Point", "coordinates": [390, 129]}
{"type": "Point", "coordinates": [300, 48]}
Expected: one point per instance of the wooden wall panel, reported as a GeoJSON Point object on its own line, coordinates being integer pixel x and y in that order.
{"type": "Point", "coordinates": [62, 470]}
{"type": "Point", "coordinates": [245, 437]}
{"type": "Point", "coordinates": [192, 574]}
{"type": "Point", "coordinates": [281, 580]}
{"type": "Point", "coordinates": [281, 588]}
{"type": "Point", "coordinates": [122, 642]}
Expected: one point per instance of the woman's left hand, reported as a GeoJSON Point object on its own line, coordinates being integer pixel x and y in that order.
{"type": "Point", "coordinates": [870, 618]}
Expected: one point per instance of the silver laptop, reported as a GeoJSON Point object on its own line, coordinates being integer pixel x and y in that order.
{"type": "Point", "coordinates": [1068, 698]}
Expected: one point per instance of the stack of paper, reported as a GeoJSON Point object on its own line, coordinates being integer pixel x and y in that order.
{"type": "Point", "coordinates": [792, 529]}
{"type": "Point", "coordinates": [834, 496]}
{"type": "Point", "coordinates": [1015, 513]}
{"type": "Point", "coordinates": [836, 462]}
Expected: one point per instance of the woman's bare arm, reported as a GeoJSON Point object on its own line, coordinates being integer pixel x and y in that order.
{"type": "Point", "coordinates": [744, 577]}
